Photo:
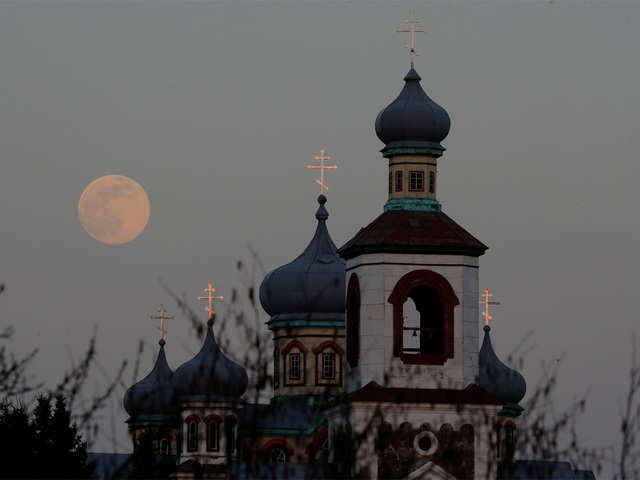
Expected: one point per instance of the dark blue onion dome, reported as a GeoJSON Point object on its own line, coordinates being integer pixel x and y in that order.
{"type": "Point", "coordinates": [412, 123]}
{"type": "Point", "coordinates": [151, 399]}
{"type": "Point", "coordinates": [311, 286]}
{"type": "Point", "coordinates": [210, 375]}
{"type": "Point", "coordinates": [503, 382]}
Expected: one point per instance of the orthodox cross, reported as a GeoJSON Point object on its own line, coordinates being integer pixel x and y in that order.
{"type": "Point", "coordinates": [162, 317]}
{"type": "Point", "coordinates": [321, 158]}
{"type": "Point", "coordinates": [487, 295]}
{"type": "Point", "coordinates": [412, 21]}
{"type": "Point", "coordinates": [210, 297]}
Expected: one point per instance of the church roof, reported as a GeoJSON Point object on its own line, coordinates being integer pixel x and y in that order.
{"type": "Point", "coordinates": [402, 231]}
{"type": "Point", "coordinates": [412, 123]}
{"type": "Point", "coordinates": [210, 375]}
{"type": "Point", "coordinates": [293, 415]}
{"type": "Point", "coordinates": [151, 398]}
{"type": "Point", "coordinates": [312, 283]}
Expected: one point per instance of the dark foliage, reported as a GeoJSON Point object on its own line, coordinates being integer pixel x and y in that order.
{"type": "Point", "coordinates": [42, 443]}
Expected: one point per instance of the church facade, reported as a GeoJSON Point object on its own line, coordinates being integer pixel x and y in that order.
{"type": "Point", "coordinates": [378, 371]}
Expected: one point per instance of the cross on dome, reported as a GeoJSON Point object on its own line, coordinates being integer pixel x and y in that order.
{"type": "Point", "coordinates": [412, 22]}
{"type": "Point", "coordinates": [162, 317]}
{"type": "Point", "coordinates": [486, 296]}
{"type": "Point", "coordinates": [322, 158]}
{"type": "Point", "coordinates": [210, 297]}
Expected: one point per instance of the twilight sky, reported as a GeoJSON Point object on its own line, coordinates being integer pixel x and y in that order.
{"type": "Point", "coordinates": [215, 108]}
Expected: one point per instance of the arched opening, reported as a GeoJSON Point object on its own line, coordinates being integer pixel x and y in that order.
{"type": "Point", "coordinates": [277, 455]}
{"type": "Point", "coordinates": [212, 436]}
{"type": "Point", "coordinates": [423, 303]}
{"type": "Point", "coordinates": [423, 322]}
{"type": "Point", "coordinates": [353, 321]}
{"type": "Point", "coordinates": [192, 436]}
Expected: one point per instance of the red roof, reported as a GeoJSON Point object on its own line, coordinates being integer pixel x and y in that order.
{"type": "Point", "coordinates": [372, 392]}
{"type": "Point", "coordinates": [402, 231]}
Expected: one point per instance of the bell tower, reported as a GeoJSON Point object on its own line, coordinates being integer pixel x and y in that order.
{"type": "Point", "coordinates": [412, 273]}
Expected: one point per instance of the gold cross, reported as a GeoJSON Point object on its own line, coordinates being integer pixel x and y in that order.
{"type": "Point", "coordinates": [412, 21]}
{"type": "Point", "coordinates": [162, 317]}
{"type": "Point", "coordinates": [210, 298]}
{"type": "Point", "coordinates": [487, 295]}
{"type": "Point", "coordinates": [321, 158]}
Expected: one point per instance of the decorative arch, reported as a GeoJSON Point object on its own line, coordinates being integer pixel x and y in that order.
{"type": "Point", "coordinates": [293, 373]}
{"type": "Point", "coordinates": [192, 418]}
{"type": "Point", "coordinates": [317, 441]}
{"type": "Point", "coordinates": [448, 299]}
{"type": "Point", "coordinates": [212, 418]}
{"type": "Point", "coordinates": [353, 320]}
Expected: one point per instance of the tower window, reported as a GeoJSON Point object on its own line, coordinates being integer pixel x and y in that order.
{"type": "Point", "coordinates": [212, 436]}
{"type": "Point", "coordinates": [432, 182]}
{"type": "Point", "coordinates": [390, 182]}
{"type": "Point", "coordinates": [398, 180]}
{"type": "Point", "coordinates": [294, 366]}
{"type": "Point", "coordinates": [230, 432]}
{"type": "Point", "coordinates": [192, 436]}
{"type": "Point", "coordinates": [164, 447]}
{"type": "Point", "coordinates": [328, 365]}
{"type": "Point", "coordinates": [416, 181]}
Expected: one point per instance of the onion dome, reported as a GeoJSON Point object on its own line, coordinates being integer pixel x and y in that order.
{"type": "Point", "coordinates": [313, 284]}
{"type": "Point", "coordinates": [503, 382]}
{"type": "Point", "coordinates": [412, 123]}
{"type": "Point", "coordinates": [210, 375]}
{"type": "Point", "coordinates": [152, 397]}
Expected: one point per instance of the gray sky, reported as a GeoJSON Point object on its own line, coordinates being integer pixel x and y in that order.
{"type": "Point", "coordinates": [217, 107]}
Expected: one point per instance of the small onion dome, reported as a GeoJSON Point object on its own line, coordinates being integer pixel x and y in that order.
{"type": "Point", "coordinates": [503, 382]}
{"type": "Point", "coordinates": [412, 123]}
{"type": "Point", "coordinates": [152, 397]}
{"type": "Point", "coordinates": [210, 375]}
{"type": "Point", "coordinates": [311, 284]}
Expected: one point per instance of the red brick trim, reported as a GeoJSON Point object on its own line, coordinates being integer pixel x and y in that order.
{"type": "Point", "coordinates": [192, 417]}
{"type": "Point", "coordinates": [212, 418]}
{"type": "Point", "coordinates": [449, 300]}
{"type": "Point", "coordinates": [353, 321]}
{"type": "Point", "coordinates": [328, 344]}
{"type": "Point", "coordinates": [294, 343]}
{"type": "Point", "coordinates": [277, 442]}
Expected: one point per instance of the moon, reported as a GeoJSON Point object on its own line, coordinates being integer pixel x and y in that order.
{"type": "Point", "coordinates": [114, 209]}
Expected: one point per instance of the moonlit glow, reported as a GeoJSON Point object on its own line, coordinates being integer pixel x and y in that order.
{"type": "Point", "coordinates": [114, 209]}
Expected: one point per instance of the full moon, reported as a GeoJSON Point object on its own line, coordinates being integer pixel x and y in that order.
{"type": "Point", "coordinates": [114, 209]}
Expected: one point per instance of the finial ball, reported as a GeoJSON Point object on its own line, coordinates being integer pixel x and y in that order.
{"type": "Point", "coordinates": [486, 328]}
{"type": "Point", "coordinates": [210, 321]}
{"type": "Point", "coordinates": [322, 199]}
{"type": "Point", "coordinates": [162, 342]}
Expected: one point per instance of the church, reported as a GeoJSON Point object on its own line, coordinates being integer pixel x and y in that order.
{"type": "Point", "coordinates": [379, 370]}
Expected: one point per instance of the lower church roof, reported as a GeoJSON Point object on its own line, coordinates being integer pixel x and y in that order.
{"type": "Point", "coordinates": [403, 231]}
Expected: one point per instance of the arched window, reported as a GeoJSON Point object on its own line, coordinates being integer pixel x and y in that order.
{"type": "Point", "coordinates": [328, 363]}
{"type": "Point", "coordinates": [353, 320]}
{"type": "Point", "coordinates": [230, 427]}
{"type": "Point", "coordinates": [294, 363]}
{"type": "Point", "coordinates": [164, 446]}
{"type": "Point", "coordinates": [423, 303]}
{"type": "Point", "coordinates": [192, 436]}
{"type": "Point", "coordinates": [277, 455]}
{"type": "Point", "coordinates": [212, 436]}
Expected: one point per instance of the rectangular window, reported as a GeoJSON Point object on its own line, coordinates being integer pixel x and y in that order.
{"type": "Point", "coordinates": [294, 366]}
{"type": "Point", "coordinates": [328, 366]}
{"type": "Point", "coordinates": [398, 180]}
{"type": "Point", "coordinates": [390, 183]}
{"type": "Point", "coordinates": [416, 181]}
{"type": "Point", "coordinates": [432, 182]}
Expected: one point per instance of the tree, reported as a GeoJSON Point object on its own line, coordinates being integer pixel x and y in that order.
{"type": "Point", "coordinates": [43, 443]}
